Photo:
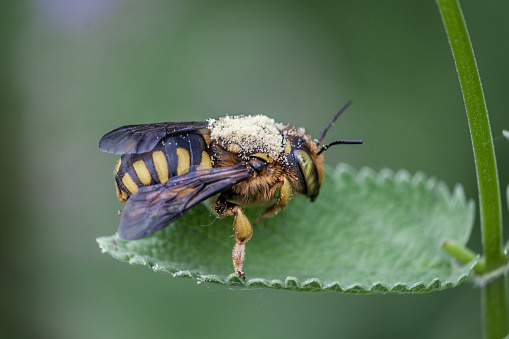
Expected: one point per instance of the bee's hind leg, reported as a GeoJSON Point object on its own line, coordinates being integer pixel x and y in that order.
{"type": "Point", "coordinates": [242, 228]}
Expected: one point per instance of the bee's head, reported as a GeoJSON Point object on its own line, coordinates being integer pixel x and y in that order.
{"type": "Point", "coordinates": [306, 154]}
{"type": "Point", "coordinates": [309, 165]}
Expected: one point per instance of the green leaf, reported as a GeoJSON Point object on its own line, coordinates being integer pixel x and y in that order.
{"type": "Point", "coordinates": [365, 233]}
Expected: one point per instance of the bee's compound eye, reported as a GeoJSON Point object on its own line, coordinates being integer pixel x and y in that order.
{"type": "Point", "coordinates": [257, 163]}
{"type": "Point", "coordinates": [309, 173]}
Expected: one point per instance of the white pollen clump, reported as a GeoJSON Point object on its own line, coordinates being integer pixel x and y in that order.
{"type": "Point", "coordinates": [253, 134]}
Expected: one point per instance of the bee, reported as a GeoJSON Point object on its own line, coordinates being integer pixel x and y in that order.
{"type": "Point", "coordinates": [167, 168]}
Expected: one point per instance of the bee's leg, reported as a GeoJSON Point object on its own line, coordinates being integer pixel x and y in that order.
{"type": "Point", "coordinates": [243, 231]}
{"type": "Point", "coordinates": [285, 193]}
{"type": "Point", "coordinates": [242, 228]}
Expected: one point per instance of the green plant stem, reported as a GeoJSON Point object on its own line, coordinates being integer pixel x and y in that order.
{"type": "Point", "coordinates": [494, 298]}
{"type": "Point", "coordinates": [463, 255]}
{"type": "Point", "coordinates": [484, 153]}
{"type": "Point", "coordinates": [493, 301]}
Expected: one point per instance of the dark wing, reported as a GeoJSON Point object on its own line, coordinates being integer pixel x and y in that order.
{"type": "Point", "coordinates": [134, 139]}
{"type": "Point", "coordinates": [153, 207]}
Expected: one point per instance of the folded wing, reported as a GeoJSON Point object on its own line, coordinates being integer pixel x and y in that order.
{"type": "Point", "coordinates": [153, 207]}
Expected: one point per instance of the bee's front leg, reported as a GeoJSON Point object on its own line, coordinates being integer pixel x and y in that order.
{"type": "Point", "coordinates": [285, 193]}
{"type": "Point", "coordinates": [242, 228]}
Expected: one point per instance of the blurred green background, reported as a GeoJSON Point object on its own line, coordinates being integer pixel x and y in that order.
{"type": "Point", "coordinates": [70, 71]}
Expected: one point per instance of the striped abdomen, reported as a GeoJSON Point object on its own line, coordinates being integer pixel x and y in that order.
{"type": "Point", "coordinates": [175, 155]}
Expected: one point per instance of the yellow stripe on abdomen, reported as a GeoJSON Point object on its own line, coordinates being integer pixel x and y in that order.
{"type": "Point", "coordinates": [121, 195]}
{"type": "Point", "coordinates": [129, 183]}
{"type": "Point", "coordinates": [161, 166]}
{"type": "Point", "coordinates": [184, 161]}
{"type": "Point", "coordinates": [205, 161]}
{"type": "Point", "coordinates": [142, 172]}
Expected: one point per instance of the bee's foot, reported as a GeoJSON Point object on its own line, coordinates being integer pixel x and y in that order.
{"type": "Point", "coordinates": [241, 275]}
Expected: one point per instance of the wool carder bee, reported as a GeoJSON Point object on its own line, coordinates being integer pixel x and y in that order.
{"type": "Point", "coordinates": [167, 168]}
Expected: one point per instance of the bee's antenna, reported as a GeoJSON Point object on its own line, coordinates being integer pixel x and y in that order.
{"type": "Point", "coordinates": [338, 142]}
{"type": "Point", "coordinates": [334, 118]}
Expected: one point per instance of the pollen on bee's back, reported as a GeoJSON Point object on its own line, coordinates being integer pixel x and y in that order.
{"type": "Point", "coordinates": [257, 133]}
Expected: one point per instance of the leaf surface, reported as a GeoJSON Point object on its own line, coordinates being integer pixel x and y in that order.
{"type": "Point", "coordinates": [367, 232]}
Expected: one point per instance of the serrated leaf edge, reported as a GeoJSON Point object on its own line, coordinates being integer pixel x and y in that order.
{"type": "Point", "coordinates": [291, 282]}
{"type": "Point", "coordinates": [457, 196]}
{"type": "Point", "coordinates": [315, 284]}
